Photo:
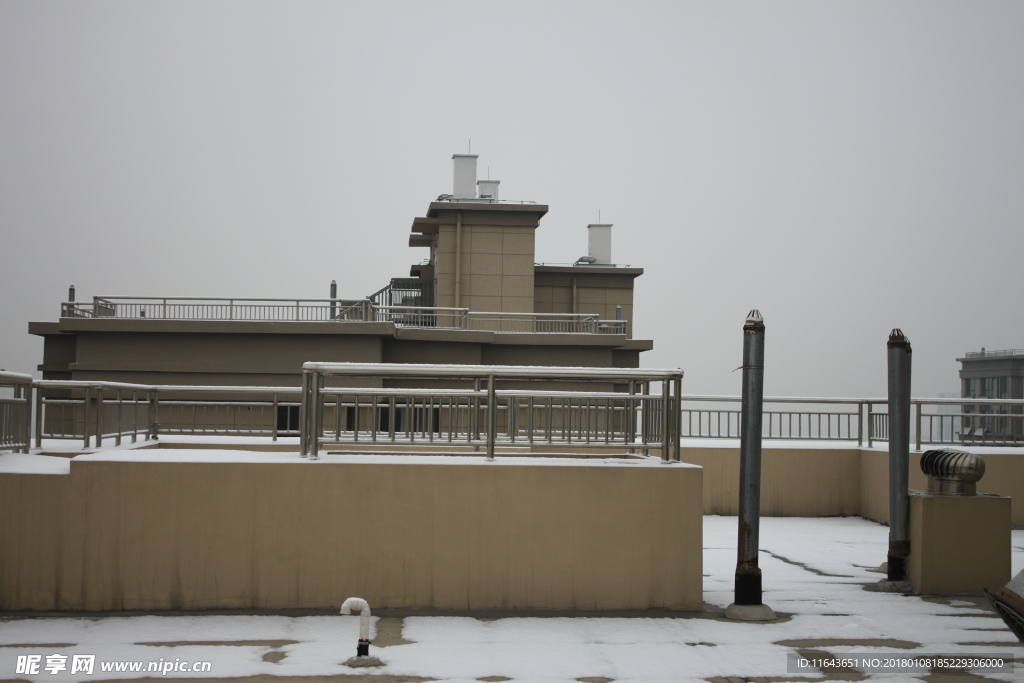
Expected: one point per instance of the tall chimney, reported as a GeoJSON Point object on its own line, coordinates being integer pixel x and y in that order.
{"type": "Point", "coordinates": [599, 242]}
{"type": "Point", "coordinates": [488, 188]}
{"type": "Point", "coordinates": [464, 167]}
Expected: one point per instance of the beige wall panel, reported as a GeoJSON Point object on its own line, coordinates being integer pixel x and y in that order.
{"type": "Point", "coordinates": [518, 264]}
{"type": "Point", "coordinates": [561, 295]}
{"type": "Point", "coordinates": [487, 243]}
{"type": "Point", "coordinates": [486, 264]}
{"type": "Point", "coordinates": [794, 482]}
{"type": "Point", "coordinates": [483, 303]}
{"type": "Point", "coordinates": [1004, 476]}
{"type": "Point", "coordinates": [517, 304]}
{"type": "Point", "coordinates": [542, 295]}
{"type": "Point", "coordinates": [874, 478]}
{"type": "Point", "coordinates": [519, 241]}
{"type": "Point", "coordinates": [543, 307]}
{"type": "Point", "coordinates": [485, 285]}
{"type": "Point", "coordinates": [518, 286]}
{"type": "Point", "coordinates": [455, 353]}
{"type": "Point", "coordinates": [445, 285]}
{"type": "Point", "coordinates": [587, 295]}
{"type": "Point", "coordinates": [561, 307]}
{"type": "Point", "coordinates": [623, 297]}
{"type": "Point", "coordinates": [445, 244]}
{"type": "Point", "coordinates": [244, 353]}
{"type": "Point", "coordinates": [135, 535]}
{"type": "Point", "coordinates": [498, 354]}
{"type": "Point", "coordinates": [958, 544]}
{"type": "Point", "coordinates": [445, 263]}
{"type": "Point", "coordinates": [447, 301]}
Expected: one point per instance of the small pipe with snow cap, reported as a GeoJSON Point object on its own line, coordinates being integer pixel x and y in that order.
{"type": "Point", "coordinates": [362, 657]}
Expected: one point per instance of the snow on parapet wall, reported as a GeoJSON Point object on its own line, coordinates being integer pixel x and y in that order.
{"type": "Point", "coordinates": [182, 455]}
{"type": "Point", "coordinates": [24, 463]}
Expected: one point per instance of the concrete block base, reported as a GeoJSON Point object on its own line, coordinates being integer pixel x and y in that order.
{"type": "Point", "coordinates": [958, 544]}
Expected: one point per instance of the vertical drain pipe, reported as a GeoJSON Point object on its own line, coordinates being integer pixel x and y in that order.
{"type": "Point", "coordinates": [748, 605]}
{"type": "Point", "coordinates": [899, 352]}
{"type": "Point", "coordinates": [458, 259]}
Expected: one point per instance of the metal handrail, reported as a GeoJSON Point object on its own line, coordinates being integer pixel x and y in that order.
{"type": "Point", "coordinates": [339, 310]}
{"type": "Point", "coordinates": [994, 354]}
{"type": "Point", "coordinates": [16, 412]}
{"type": "Point", "coordinates": [315, 374]}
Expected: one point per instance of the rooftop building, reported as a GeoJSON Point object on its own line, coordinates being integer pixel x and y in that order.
{"type": "Point", "coordinates": [992, 375]}
{"type": "Point", "coordinates": [479, 298]}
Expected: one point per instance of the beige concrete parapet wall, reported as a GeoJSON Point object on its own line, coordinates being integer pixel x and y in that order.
{"type": "Point", "coordinates": [823, 482]}
{"type": "Point", "coordinates": [145, 530]}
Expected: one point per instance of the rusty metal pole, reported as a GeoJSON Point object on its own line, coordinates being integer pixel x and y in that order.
{"type": "Point", "coordinates": [747, 603]}
{"type": "Point", "coordinates": [899, 454]}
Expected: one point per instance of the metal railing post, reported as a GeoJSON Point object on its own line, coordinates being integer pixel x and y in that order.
{"type": "Point", "coordinates": [39, 417]}
{"type": "Point", "coordinates": [917, 425]}
{"type": "Point", "coordinates": [664, 421]}
{"type": "Point", "coordinates": [899, 359]}
{"type": "Point", "coordinates": [304, 415]}
{"type": "Point", "coordinates": [99, 417]}
{"type": "Point", "coordinates": [117, 437]}
{"type": "Point", "coordinates": [492, 417]}
{"type": "Point", "coordinates": [154, 413]}
{"type": "Point", "coordinates": [870, 424]}
{"type": "Point", "coordinates": [677, 419]}
{"type": "Point", "coordinates": [87, 414]}
{"type": "Point", "coordinates": [860, 423]}
{"type": "Point", "coordinates": [318, 417]}
{"type": "Point", "coordinates": [273, 419]}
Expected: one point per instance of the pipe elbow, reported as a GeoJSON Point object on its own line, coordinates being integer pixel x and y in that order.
{"type": "Point", "coordinates": [355, 605]}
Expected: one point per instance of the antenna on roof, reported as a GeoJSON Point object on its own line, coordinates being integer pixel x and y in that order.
{"type": "Point", "coordinates": [599, 215]}
{"type": "Point", "coordinates": [488, 172]}
{"type": "Point", "coordinates": [470, 150]}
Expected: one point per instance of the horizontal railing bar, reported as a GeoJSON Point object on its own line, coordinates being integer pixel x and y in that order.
{"type": "Point", "coordinates": [532, 372]}
{"type": "Point", "coordinates": [14, 378]}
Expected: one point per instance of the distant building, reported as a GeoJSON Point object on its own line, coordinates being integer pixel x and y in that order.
{"type": "Point", "coordinates": [992, 375]}
{"type": "Point", "coordinates": [479, 298]}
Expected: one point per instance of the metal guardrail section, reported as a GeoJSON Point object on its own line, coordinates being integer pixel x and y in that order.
{"type": "Point", "coordinates": [94, 411]}
{"type": "Point", "coordinates": [339, 310]}
{"type": "Point", "coordinates": [16, 412]}
{"type": "Point", "coordinates": [994, 354]}
{"type": "Point", "coordinates": [471, 416]}
{"type": "Point", "coordinates": [975, 421]}
{"type": "Point", "coordinates": [969, 421]}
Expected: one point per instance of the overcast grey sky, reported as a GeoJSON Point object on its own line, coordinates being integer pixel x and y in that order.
{"type": "Point", "coordinates": [845, 167]}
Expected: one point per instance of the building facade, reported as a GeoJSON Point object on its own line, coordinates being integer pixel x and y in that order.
{"type": "Point", "coordinates": [992, 375]}
{"type": "Point", "coordinates": [479, 298]}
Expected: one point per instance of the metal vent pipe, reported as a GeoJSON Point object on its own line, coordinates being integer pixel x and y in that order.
{"type": "Point", "coordinates": [748, 574]}
{"type": "Point", "coordinates": [899, 357]}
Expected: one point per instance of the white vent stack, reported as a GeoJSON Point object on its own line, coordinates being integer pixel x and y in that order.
{"type": "Point", "coordinates": [464, 185]}
{"type": "Point", "coordinates": [599, 242]}
{"type": "Point", "coordinates": [488, 189]}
